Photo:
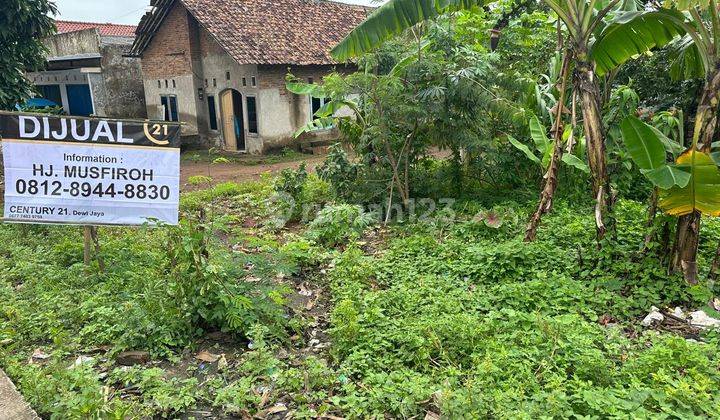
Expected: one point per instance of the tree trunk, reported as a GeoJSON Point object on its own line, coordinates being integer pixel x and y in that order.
{"type": "Point", "coordinates": [687, 237]}
{"type": "Point", "coordinates": [688, 229]}
{"type": "Point", "coordinates": [551, 177]}
{"type": "Point", "coordinates": [715, 269]}
{"type": "Point", "coordinates": [586, 85]}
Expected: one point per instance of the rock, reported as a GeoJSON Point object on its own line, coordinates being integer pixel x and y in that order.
{"type": "Point", "coordinates": [703, 320]}
{"type": "Point", "coordinates": [653, 317]}
{"type": "Point", "coordinates": [131, 358]}
{"type": "Point", "coordinates": [39, 356]}
{"type": "Point", "coordinates": [432, 416]}
{"type": "Point", "coordinates": [206, 356]}
{"type": "Point", "coordinates": [677, 312]}
{"type": "Point", "coordinates": [82, 360]}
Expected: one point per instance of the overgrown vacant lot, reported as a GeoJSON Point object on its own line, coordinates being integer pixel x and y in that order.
{"type": "Point", "coordinates": [452, 315]}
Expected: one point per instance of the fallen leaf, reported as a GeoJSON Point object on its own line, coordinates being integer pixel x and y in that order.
{"type": "Point", "coordinates": [206, 356]}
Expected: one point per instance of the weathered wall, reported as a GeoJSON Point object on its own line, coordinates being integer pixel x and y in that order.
{"type": "Point", "coordinates": [167, 70]}
{"type": "Point", "coordinates": [287, 112]}
{"type": "Point", "coordinates": [80, 42]}
{"type": "Point", "coordinates": [116, 88]}
{"type": "Point", "coordinates": [122, 77]}
{"type": "Point", "coordinates": [216, 65]}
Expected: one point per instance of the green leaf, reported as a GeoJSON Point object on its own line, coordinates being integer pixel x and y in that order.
{"type": "Point", "coordinates": [537, 132]}
{"type": "Point", "coordinates": [671, 146]}
{"type": "Point", "coordinates": [393, 18]}
{"type": "Point", "coordinates": [299, 88]}
{"type": "Point", "coordinates": [634, 33]}
{"type": "Point", "coordinates": [410, 58]}
{"type": "Point", "coordinates": [575, 162]}
{"type": "Point", "coordinates": [316, 125]}
{"type": "Point", "coordinates": [330, 108]}
{"type": "Point", "coordinates": [687, 62]}
{"type": "Point", "coordinates": [701, 194]}
{"type": "Point", "coordinates": [715, 157]}
{"type": "Point", "coordinates": [523, 148]}
{"type": "Point", "coordinates": [642, 142]}
{"type": "Point", "coordinates": [667, 176]}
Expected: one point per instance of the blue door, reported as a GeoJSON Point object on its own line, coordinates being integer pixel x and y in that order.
{"type": "Point", "coordinates": [79, 100]}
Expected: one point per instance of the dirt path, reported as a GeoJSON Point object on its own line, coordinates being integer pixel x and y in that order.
{"type": "Point", "coordinates": [237, 172]}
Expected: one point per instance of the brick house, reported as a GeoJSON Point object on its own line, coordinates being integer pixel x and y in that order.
{"type": "Point", "coordinates": [88, 72]}
{"type": "Point", "coordinates": [219, 66]}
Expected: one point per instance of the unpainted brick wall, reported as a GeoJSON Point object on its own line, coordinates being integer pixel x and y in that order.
{"type": "Point", "coordinates": [169, 52]}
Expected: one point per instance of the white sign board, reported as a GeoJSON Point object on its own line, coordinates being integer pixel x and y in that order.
{"type": "Point", "coordinates": [89, 171]}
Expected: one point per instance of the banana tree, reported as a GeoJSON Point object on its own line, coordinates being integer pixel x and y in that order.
{"type": "Point", "coordinates": [690, 185]}
{"type": "Point", "coordinates": [580, 17]}
{"type": "Point", "coordinates": [694, 28]}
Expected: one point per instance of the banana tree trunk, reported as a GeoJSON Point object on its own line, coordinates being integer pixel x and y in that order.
{"type": "Point", "coordinates": [586, 85]}
{"type": "Point", "coordinates": [551, 177]}
{"type": "Point", "coordinates": [688, 228]}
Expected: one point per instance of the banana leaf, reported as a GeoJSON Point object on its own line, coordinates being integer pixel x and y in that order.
{"type": "Point", "coordinates": [701, 194]}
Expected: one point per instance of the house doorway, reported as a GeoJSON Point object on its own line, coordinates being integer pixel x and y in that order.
{"type": "Point", "coordinates": [231, 104]}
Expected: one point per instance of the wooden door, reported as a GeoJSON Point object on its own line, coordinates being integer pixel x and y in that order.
{"type": "Point", "coordinates": [228, 120]}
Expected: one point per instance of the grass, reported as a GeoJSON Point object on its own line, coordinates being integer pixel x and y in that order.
{"type": "Point", "coordinates": [451, 317]}
{"type": "Point", "coordinates": [216, 157]}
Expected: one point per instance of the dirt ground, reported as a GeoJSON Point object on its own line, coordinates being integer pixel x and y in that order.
{"type": "Point", "coordinates": [236, 172]}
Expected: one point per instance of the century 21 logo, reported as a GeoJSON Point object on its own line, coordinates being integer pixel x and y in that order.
{"type": "Point", "coordinates": [153, 131]}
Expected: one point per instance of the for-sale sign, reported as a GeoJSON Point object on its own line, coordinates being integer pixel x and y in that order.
{"type": "Point", "coordinates": [88, 171]}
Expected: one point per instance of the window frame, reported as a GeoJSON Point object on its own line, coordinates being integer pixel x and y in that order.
{"type": "Point", "coordinates": [170, 102]}
{"type": "Point", "coordinates": [214, 126]}
{"type": "Point", "coordinates": [257, 118]}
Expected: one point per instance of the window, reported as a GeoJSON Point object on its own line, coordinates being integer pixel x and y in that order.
{"type": "Point", "coordinates": [244, 81]}
{"type": "Point", "coordinates": [166, 84]}
{"type": "Point", "coordinates": [52, 93]}
{"type": "Point", "coordinates": [227, 75]}
{"type": "Point", "coordinates": [170, 104]}
{"type": "Point", "coordinates": [214, 82]}
{"type": "Point", "coordinates": [316, 104]}
{"type": "Point", "coordinates": [252, 115]}
{"type": "Point", "coordinates": [212, 113]}
{"type": "Point", "coordinates": [253, 81]}
{"type": "Point", "coordinates": [174, 84]}
{"type": "Point", "coordinates": [159, 84]}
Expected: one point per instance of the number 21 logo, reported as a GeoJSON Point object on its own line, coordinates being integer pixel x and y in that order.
{"type": "Point", "coordinates": [157, 130]}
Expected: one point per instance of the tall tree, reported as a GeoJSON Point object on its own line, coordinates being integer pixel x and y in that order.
{"type": "Point", "coordinates": [23, 24]}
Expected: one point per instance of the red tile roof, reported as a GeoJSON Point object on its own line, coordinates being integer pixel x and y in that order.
{"type": "Point", "coordinates": [105, 29]}
{"type": "Point", "coordinates": [300, 32]}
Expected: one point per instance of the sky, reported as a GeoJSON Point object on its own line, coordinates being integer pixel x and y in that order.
{"type": "Point", "coordinates": [116, 11]}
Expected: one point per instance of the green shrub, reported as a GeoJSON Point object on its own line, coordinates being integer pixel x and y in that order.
{"type": "Point", "coordinates": [340, 223]}
{"type": "Point", "coordinates": [199, 180]}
